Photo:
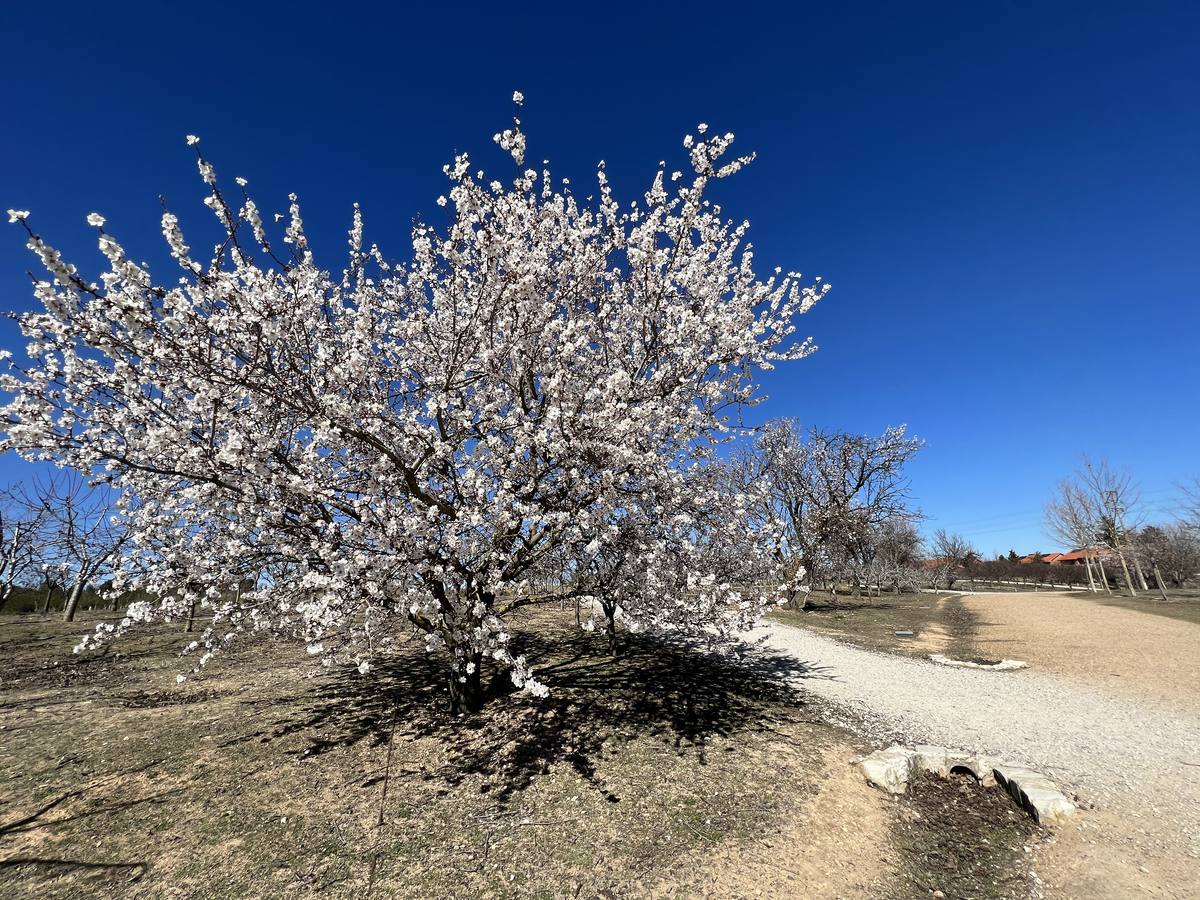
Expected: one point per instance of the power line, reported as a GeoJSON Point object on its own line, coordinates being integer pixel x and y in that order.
{"type": "Point", "coordinates": [967, 524]}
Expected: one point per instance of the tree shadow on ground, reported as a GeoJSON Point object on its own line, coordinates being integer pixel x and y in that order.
{"type": "Point", "coordinates": [38, 818]}
{"type": "Point", "coordinates": [51, 818]}
{"type": "Point", "coordinates": [56, 867]}
{"type": "Point", "coordinates": [851, 603]}
{"type": "Point", "coordinates": [93, 805]}
{"type": "Point", "coordinates": [672, 690]}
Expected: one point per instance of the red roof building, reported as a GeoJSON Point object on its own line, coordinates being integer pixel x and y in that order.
{"type": "Point", "coordinates": [1071, 558]}
{"type": "Point", "coordinates": [1077, 557]}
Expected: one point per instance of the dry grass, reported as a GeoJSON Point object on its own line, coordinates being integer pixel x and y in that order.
{"type": "Point", "coordinates": [941, 623]}
{"type": "Point", "coordinates": [257, 775]}
{"type": "Point", "coordinates": [267, 777]}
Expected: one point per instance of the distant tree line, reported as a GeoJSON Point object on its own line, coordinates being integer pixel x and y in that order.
{"type": "Point", "coordinates": [60, 539]}
{"type": "Point", "coordinates": [842, 501]}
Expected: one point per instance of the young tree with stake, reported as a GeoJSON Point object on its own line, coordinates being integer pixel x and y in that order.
{"type": "Point", "coordinates": [1113, 497]}
{"type": "Point", "coordinates": [1072, 519]}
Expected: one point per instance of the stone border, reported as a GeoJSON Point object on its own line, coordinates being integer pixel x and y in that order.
{"type": "Point", "coordinates": [1005, 665]}
{"type": "Point", "coordinates": [891, 770]}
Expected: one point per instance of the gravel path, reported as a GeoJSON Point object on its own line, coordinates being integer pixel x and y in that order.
{"type": "Point", "coordinates": [1114, 751]}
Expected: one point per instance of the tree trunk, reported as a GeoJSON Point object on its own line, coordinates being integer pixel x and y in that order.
{"type": "Point", "coordinates": [466, 693]}
{"type": "Point", "coordinates": [1125, 569]}
{"type": "Point", "coordinates": [1103, 576]}
{"type": "Point", "coordinates": [191, 618]}
{"type": "Point", "coordinates": [1087, 562]}
{"type": "Point", "coordinates": [5, 593]}
{"type": "Point", "coordinates": [610, 617]}
{"type": "Point", "coordinates": [1162, 591]}
{"type": "Point", "coordinates": [46, 602]}
{"type": "Point", "coordinates": [798, 600]}
{"type": "Point", "coordinates": [1137, 567]}
{"type": "Point", "coordinates": [73, 600]}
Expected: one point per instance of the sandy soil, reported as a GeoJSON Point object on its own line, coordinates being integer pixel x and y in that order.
{"type": "Point", "coordinates": [836, 843]}
{"type": "Point", "coordinates": [1144, 656]}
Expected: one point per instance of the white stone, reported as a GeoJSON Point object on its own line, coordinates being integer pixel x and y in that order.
{"type": "Point", "coordinates": [890, 769]}
{"type": "Point", "coordinates": [933, 759]}
{"type": "Point", "coordinates": [1005, 665]}
{"type": "Point", "coordinates": [1036, 793]}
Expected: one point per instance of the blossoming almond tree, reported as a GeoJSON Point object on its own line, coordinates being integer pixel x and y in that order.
{"type": "Point", "coordinates": [403, 448]}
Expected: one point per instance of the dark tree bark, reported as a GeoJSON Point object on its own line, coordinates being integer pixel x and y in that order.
{"type": "Point", "coordinates": [466, 691]}
{"type": "Point", "coordinates": [610, 618]}
{"type": "Point", "coordinates": [73, 600]}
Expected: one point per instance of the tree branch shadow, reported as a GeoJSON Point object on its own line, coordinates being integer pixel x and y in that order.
{"type": "Point", "coordinates": [135, 870]}
{"type": "Point", "coordinates": [672, 690]}
{"type": "Point", "coordinates": [34, 820]}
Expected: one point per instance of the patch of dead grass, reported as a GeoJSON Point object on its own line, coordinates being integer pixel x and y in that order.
{"type": "Point", "coordinates": [940, 624]}
{"type": "Point", "coordinates": [650, 774]}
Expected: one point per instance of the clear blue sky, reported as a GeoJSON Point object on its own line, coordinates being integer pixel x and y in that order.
{"type": "Point", "coordinates": [1005, 197]}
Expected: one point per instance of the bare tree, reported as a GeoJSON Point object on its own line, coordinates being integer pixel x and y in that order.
{"type": "Point", "coordinates": [80, 522]}
{"type": "Point", "coordinates": [1072, 519]}
{"type": "Point", "coordinates": [1171, 549]}
{"type": "Point", "coordinates": [19, 531]}
{"type": "Point", "coordinates": [53, 572]}
{"type": "Point", "coordinates": [951, 552]}
{"type": "Point", "coordinates": [1190, 505]}
{"type": "Point", "coordinates": [898, 553]}
{"type": "Point", "coordinates": [1114, 497]}
{"type": "Point", "coordinates": [832, 491]}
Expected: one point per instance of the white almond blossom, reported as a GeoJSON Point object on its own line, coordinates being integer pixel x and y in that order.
{"type": "Point", "coordinates": [353, 457]}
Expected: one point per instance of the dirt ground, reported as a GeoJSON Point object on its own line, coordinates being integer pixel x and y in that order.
{"type": "Point", "coordinates": [1128, 647]}
{"type": "Point", "coordinates": [1121, 660]}
{"type": "Point", "coordinates": [1145, 648]}
{"type": "Point", "coordinates": [670, 772]}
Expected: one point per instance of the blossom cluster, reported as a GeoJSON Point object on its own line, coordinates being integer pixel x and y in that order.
{"type": "Point", "coordinates": [534, 397]}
